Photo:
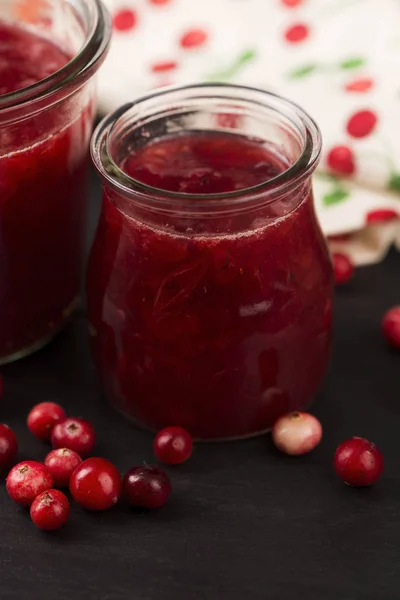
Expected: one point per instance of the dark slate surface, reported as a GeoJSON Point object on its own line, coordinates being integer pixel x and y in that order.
{"type": "Point", "coordinates": [243, 522]}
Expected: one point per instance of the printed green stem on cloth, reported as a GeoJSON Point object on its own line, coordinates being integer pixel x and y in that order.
{"type": "Point", "coordinates": [338, 193]}
{"type": "Point", "coordinates": [353, 62]}
{"type": "Point", "coordinates": [232, 70]}
{"type": "Point", "coordinates": [336, 7]}
{"type": "Point", "coordinates": [393, 182]}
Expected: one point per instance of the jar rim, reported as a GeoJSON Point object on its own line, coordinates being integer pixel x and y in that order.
{"type": "Point", "coordinates": [74, 72]}
{"type": "Point", "coordinates": [297, 172]}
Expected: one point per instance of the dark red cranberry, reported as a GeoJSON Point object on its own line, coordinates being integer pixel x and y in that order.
{"type": "Point", "coordinates": [343, 268]}
{"type": "Point", "coordinates": [297, 33]}
{"type": "Point", "coordinates": [146, 487]}
{"type": "Point", "coordinates": [193, 38]}
{"type": "Point", "coordinates": [8, 446]}
{"type": "Point", "coordinates": [61, 463]}
{"type": "Point", "coordinates": [362, 123]}
{"type": "Point", "coordinates": [173, 445]}
{"type": "Point", "coordinates": [43, 417]}
{"type": "Point", "coordinates": [391, 326]}
{"type": "Point", "coordinates": [75, 434]}
{"type": "Point", "coordinates": [27, 480]}
{"type": "Point", "coordinates": [340, 159]}
{"type": "Point", "coordinates": [50, 510]}
{"type": "Point", "coordinates": [358, 462]}
{"type": "Point", "coordinates": [96, 484]}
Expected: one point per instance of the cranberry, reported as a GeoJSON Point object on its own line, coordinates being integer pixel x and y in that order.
{"type": "Point", "coordinates": [146, 487]}
{"type": "Point", "coordinates": [363, 84]}
{"type": "Point", "coordinates": [340, 159]}
{"type": "Point", "coordinates": [27, 480]}
{"type": "Point", "coordinates": [358, 462]}
{"type": "Point", "coordinates": [297, 433]}
{"type": "Point", "coordinates": [75, 434]}
{"type": "Point", "coordinates": [42, 419]}
{"type": "Point", "coordinates": [297, 33]}
{"type": "Point", "coordinates": [96, 484]}
{"type": "Point", "coordinates": [173, 445]}
{"type": "Point", "coordinates": [381, 215]}
{"type": "Point", "coordinates": [391, 326]}
{"type": "Point", "coordinates": [50, 510]}
{"type": "Point", "coordinates": [8, 446]}
{"type": "Point", "coordinates": [362, 123]}
{"type": "Point", "coordinates": [166, 65]}
{"type": "Point", "coordinates": [124, 20]}
{"type": "Point", "coordinates": [193, 38]}
{"type": "Point", "coordinates": [61, 463]}
{"type": "Point", "coordinates": [342, 267]}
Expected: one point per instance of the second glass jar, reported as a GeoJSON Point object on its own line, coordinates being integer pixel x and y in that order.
{"type": "Point", "coordinates": [209, 309]}
{"type": "Point", "coordinates": [49, 55]}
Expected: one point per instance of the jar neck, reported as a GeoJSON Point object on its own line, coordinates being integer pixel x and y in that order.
{"type": "Point", "coordinates": [255, 114]}
{"type": "Point", "coordinates": [86, 29]}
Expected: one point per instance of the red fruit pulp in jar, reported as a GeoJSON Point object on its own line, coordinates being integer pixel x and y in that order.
{"type": "Point", "coordinates": [43, 161]}
{"type": "Point", "coordinates": [217, 325]}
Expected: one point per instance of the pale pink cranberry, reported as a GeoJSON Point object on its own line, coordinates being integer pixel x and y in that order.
{"type": "Point", "coordinates": [297, 433]}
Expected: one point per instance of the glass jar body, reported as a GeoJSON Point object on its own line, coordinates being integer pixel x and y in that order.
{"type": "Point", "coordinates": [43, 203]}
{"type": "Point", "coordinates": [219, 323]}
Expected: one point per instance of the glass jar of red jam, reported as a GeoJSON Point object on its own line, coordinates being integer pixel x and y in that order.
{"type": "Point", "coordinates": [209, 283]}
{"type": "Point", "coordinates": [49, 52]}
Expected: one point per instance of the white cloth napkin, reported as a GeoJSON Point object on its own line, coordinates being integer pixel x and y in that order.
{"type": "Point", "coordinates": [339, 59]}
